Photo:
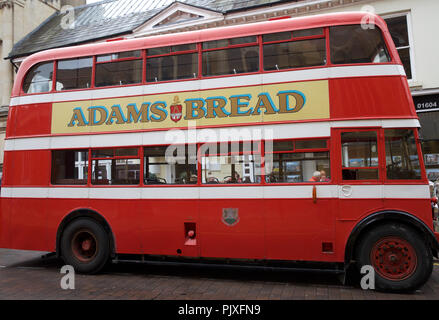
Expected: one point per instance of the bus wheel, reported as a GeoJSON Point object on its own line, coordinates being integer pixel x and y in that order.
{"type": "Point", "coordinates": [85, 245]}
{"type": "Point", "coordinates": [402, 260]}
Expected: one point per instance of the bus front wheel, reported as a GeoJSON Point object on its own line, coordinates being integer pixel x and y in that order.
{"type": "Point", "coordinates": [400, 257]}
{"type": "Point", "coordinates": [85, 245]}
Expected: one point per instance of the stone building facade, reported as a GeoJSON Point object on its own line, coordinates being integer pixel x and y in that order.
{"type": "Point", "coordinates": [17, 19]}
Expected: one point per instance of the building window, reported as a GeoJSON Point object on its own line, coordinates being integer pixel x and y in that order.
{"type": "Point", "coordinates": [399, 30]}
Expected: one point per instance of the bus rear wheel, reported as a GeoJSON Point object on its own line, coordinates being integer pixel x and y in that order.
{"type": "Point", "coordinates": [85, 245]}
{"type": "Point", "coordinates": [400, 257]}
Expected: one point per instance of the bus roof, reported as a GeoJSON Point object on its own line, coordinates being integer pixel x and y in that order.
{"type": "Point", "coordinates": [265, 27]}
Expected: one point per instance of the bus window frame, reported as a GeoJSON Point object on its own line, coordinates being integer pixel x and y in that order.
{"type": "Point", "coordinates": [380, 151]}
{"type": "Point", "coordinates": [51, 185]}
{"type": "Point", "coordinates": [238, 153]}
{"type": "Point", "coordinates": [171, 54]}
{"type": "Point", "coordinates": [187, 185]}
{"type": "Point", "coordinates": [423, 180]}
{"type": "Point", "coordinates": [96, 62]}
{"type": "Point", "coordinates": [324, 35]}
{"type": "Point", "coordinates": [199, 50]}
{"type": "Point", "coordinates": [22, 93]}
{"type": "Point", "coordinates": [92, 79]}
{"type": "Point", "coordinates": [90, 166]}
{"type": "Point", "coordinates": [327, 149]}
{"type": "Point", "coordinates": [393, 59]}
{"type": "Point", "coordinates": [256, 44]}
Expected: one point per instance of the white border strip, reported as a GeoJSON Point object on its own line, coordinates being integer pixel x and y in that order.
{"type": "Point", "coordinates": [223, 82]}
{"type": "Point", "coordinates": [278, 131]}
{"type": "Point", "coordinates": [233, 192]}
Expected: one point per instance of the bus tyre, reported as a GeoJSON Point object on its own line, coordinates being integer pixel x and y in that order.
{"type": "Point", "coordinates": [85, 245]}
{"type": "Point", "coordinates": [401, 258]}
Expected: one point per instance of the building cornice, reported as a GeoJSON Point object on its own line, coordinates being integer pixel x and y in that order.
{"type": "Point", "coordinates": [6, 4]}
{"type": "Point", "coordinates": [291, 9]}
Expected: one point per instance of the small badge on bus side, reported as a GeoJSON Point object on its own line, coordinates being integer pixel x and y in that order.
{"type": "Point", "coordinates": [230, 216]}
{"type": "Point", "coordinates": [176, 110]}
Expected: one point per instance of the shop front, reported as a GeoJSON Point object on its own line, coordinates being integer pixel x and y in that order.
{"type": "Point", "coordinates": [427, 107]}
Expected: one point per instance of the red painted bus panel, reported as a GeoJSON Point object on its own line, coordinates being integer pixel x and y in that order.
{"type": "Point", "coordinates": [10, 128]}
{"type": "Point", "coordinates": [352, 211]}
{"type": "Point", "coordinates": [5, 213]}
{"type": "Point", "coordinates": [27, 168]}
{"type": "Point", "coordinates": [162, 226]}
{"type": "Point", "coordinates": [121, 215]}
{"type": "Point", "coordinates": [370, 97]}
{"type": "Point", "coordinates": [296, 228]}
{"type": "Point", "coordinates": [32, 119]}
{"type": "Point", "coordinates": [243, 240]}
{"type": "Point", "coordinates": [28, 224]}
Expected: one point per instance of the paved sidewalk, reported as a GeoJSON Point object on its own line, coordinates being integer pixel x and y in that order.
{"type": "Point", "coordinates": [24, 275]}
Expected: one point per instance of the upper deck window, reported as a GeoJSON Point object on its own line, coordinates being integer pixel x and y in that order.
{"type": "Point", "coordinates": [297, 49]}
{"type": "Point", "coordinates": [74, 74]}
{"type": "Point", "coordinates": [230, 56]}
{"type": "Point", "coordinates": [353, 44]}
{"type": "Point", "coordinates": [119, 69]}
{"type": "Point", "coordinates": [39, 78]}
{"type": "Point", "coordinates": [172, 63]}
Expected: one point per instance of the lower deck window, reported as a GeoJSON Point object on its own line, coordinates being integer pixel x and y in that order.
{"type": "Point", "coordinates": [299, 167]}
{"type": "Point", "coordinates": [359, 155]}
{"type": "Point", "coordinates": [170, 165]}
{"type": "Point", "coordinates": [116, 171]}
{"type": "Point", "coordinates": [69, 167]}
{"type": "Point", "coordinates": [230, 169]}
{"type": "Point", "coordinates": [402, 161]}
{"type": "Point", "coordinates": [287, 162]}
{"type": "Point", "coordinates": [120, 166]}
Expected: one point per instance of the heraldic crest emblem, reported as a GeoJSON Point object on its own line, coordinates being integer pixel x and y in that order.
{"type": "Point", "coordinates": [230, 216]}
{"type": "Point", "coordinates": [176, 110]}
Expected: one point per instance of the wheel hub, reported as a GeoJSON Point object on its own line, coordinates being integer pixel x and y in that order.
{"type": "Point", "coordinates": [84, 245]}
{"type": "Point", "coordinates": [393, 258]}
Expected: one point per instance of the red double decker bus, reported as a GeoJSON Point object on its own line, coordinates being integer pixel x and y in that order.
{"type": "Point", "coordinates": [290, 142]}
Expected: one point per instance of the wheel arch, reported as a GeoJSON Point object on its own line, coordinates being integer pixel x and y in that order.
{"type": "Point", "coordinates": [84, 213]}
{"type": "Point", "coordinates": [381, 217]}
